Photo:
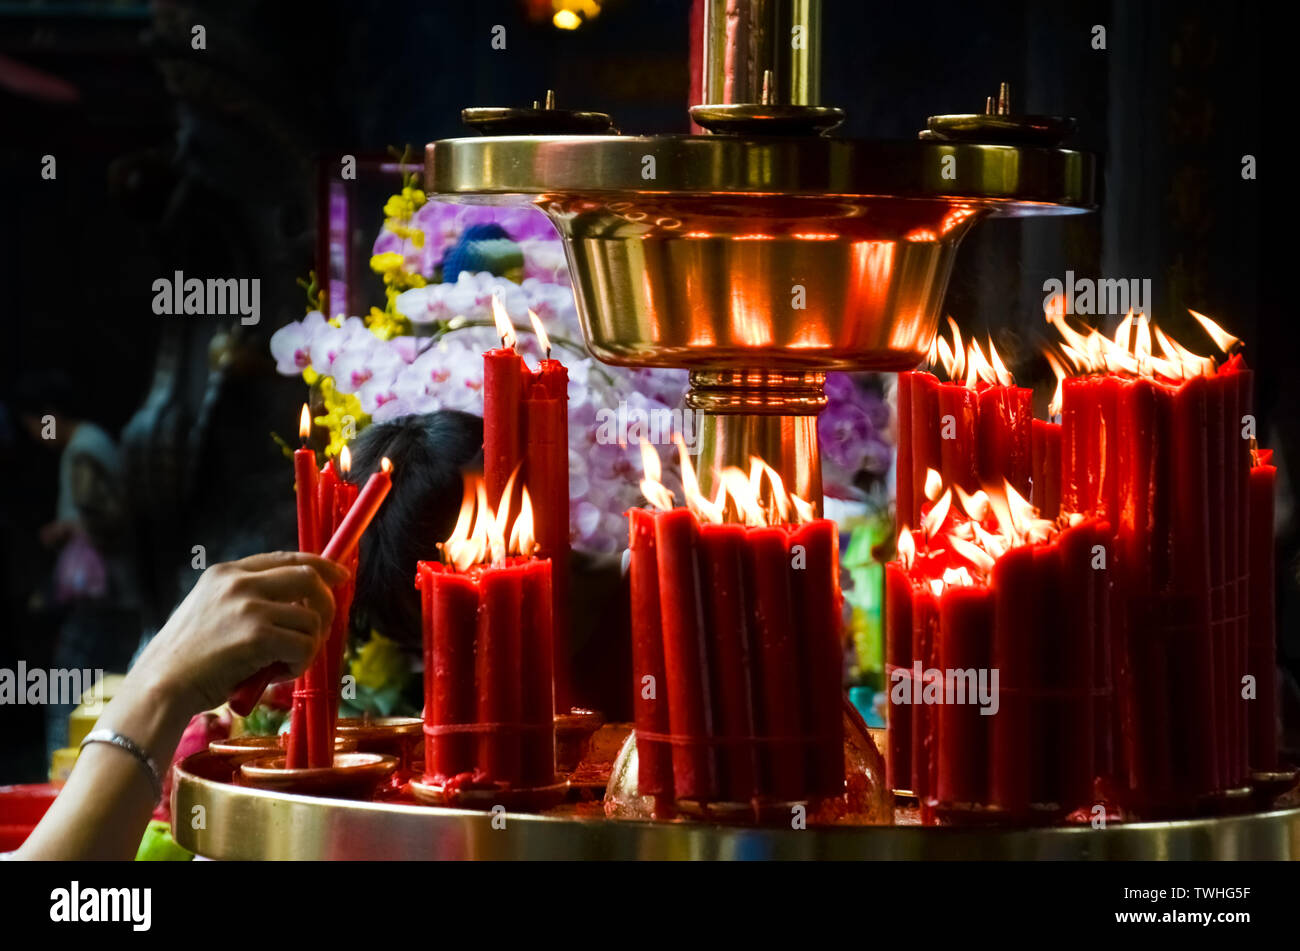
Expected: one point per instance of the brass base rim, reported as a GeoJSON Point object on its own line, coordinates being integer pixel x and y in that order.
{"type": "Point", "coordinates": [245, 823]}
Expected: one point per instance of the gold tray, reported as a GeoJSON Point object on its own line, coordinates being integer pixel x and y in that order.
{"type": "Point", "coordinates": [243, 823]}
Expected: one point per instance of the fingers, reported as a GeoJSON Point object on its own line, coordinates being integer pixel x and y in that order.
{"type": "Point", "coordinates": [332, 572]}
{"type": "Point", "coordinates": [290, 647]}
{"type": "Point", "coordinates": [294, 617]}
{"type": "Point", "coordinates": [293, 584]}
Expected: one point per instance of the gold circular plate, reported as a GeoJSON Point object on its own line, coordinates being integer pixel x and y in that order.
{"type": "Point", "coordinates": [247, 823]}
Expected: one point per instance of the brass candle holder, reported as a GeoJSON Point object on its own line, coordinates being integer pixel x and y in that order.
{"type": "Point", "coordinates": [766, 252]}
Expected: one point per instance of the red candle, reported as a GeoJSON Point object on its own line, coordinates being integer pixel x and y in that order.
{"type": "Point", "coordinates": [488, 716]}
{"type": "Point", "coordinates": [905, 507]}
{"type": "Point", "coordinates": [964, 643]}
{"type": "Point", "coordinates": [546, 469]}
{"type": "Point", "coordinates": [686, 659]}
{"type": "Point", "coordinates": [925, 651]}
{"type": "Point", "coordinates": [343, 543]}
{"type": "Point", "coordinates": [450, 609]}
{"type": "Point", "coordinates": [1016, 648]}
{"type": "Point", "coordinates": [503, 389]}
{"type": "Point", "coordinates": [497, 672]}
{"type": "Point", "coordinates": [898, 670]}
{"type": "Point", "coordinates": [1263, 715]}
{"type": "Point", "coordinates": [1046, 478]}
{"type": "Point", "coordinates": [776, 656]}
{"type": "Point", "coordinates": [537, 686]}
{"type": "Point", "coordinates": [525, 431]}
{"type": "Point", "coordinates": [1071, 665]}
{"type": "Point", "coordinates": [818, 604]}
{"type": "Point", "coordinates": [345, 498]}
{"type": "Point", "coordinates": [305, 478]}
{"type": "Point", "coordinates": [748, 621]}
{"type": "Point", "coordinates": [246, 696]}
{"type": "Point", "coordinates": [309, 535]}
{"type": "Point", "coordinates": [959, 433]}
{"type": "Point", "coordinates": [922, 438]}
{"type": "Point", "coordinates": [974, 431]}
{"type": "Point", "coordinates": [727, 610]}
{"type": "Point", "coordinates": [1005, 441]}
{"type": "Point", "coordinates": [1154, 445]}
{"type": "Point", "coordinates": [649, 681]}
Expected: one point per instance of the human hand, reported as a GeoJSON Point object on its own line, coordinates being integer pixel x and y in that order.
{"type": "Point", "coordinates": [241, 617]}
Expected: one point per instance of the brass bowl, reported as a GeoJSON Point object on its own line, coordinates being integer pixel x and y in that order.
{"type": "Point", "coordinates": [237, 750]}
{"type": "Point", "coordinates": [773, 253]}
{"type": "Point", "coordinates": [352, 776]}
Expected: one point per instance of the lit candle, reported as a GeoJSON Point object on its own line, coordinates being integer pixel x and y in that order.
{"type": "Point", "coordinates": [740, 642]}
{"type": "Point", "coordinates": [989, 586]}
{"type": "Point", "coordinates": [974, 430]}
{"type": "Point", "coordinates": [488, 712]}
{"type": "Point", "coordinates": [526, 434]}
{"type": "Point", "coordinates": [1151, 440]}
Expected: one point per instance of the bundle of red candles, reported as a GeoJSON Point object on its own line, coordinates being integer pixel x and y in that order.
{"type": "Point", "coordinates": [487, 620]}
{"type": "Point", "coordinates": [993, 618]}
{"type": "Point", "coordinates": [332, 516]}
{"type": "Point", "coordinates": [736, 643]}
{"type": "Point", "coordinates": [973, 431]}
{"type": "Point", "coordinates": [1154, 447]}
{"type": "Point", "coordinates": [1159, 441]}
{"type": "Point", "coordinates": [526, 430]}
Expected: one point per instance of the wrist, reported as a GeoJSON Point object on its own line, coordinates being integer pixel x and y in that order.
{"type": "Point", "coordinates": [149, 711]}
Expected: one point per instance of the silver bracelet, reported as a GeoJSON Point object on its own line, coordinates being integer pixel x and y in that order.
{"type": "Point", "coordinates": [130, 746]}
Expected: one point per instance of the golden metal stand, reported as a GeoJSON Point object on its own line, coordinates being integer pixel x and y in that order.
{"type": "Point", "coordinates": [242, 823]}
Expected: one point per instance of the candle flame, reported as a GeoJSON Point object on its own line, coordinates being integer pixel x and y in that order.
{"type": "Point", "coordinates": [966, 362]}
{"type": "Point", "coordinates": [523, 538]}
{"type": "Point", "coordinates": [977, 529]}
{"type": "Point", "coordinates": [975, 505]}
{"type": "Point", "coordinates": [655, 492]}
{"type": "Point", "coordinates": [757, 498]}
{"type": "Point", "coordinates": [999, 368]}
{"type": "Point", "coordinates": [304, 424]}
{"type": "Point", "coordinates": [906, 548]}
{"type": "Point", "coordinates": [345, 462]}
{"type": "Point", "coordinates": [1222, 339]}
{"type": "Point", "coordinates": [540, 331]}
{"type": "Point", "coordinates": [1138, 348]}
{"type": "Point", "coordinates": [933, 520]}
{"type": "Point", "coordinates": [386, 464]}
{"type": "Point", "coordinates": [479, 536]}
{"type": "Point", "coordinates": [505, 329]}
{"type": "Point", "coordinates": [933, 485]}
{"type": "Point", "coordinates": [804, 510]}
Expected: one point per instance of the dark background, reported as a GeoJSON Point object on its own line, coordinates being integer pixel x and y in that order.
{"type": "Point", "coordinates": [205, 161]}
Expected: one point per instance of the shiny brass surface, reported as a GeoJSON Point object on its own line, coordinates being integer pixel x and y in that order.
{"type": "Point", "coordinates": [778, 283]}
{"type": "Point", "coordinates": [243, 823]}
{"type": "Point", "coordinates": [1014, 181]}
{"type": "Point", "coordinates": [727, 252]}
{"type": "Point", "coordinates": [746, 39]}
{"type": "Point", "coordinates": [787, 443]}
{"type": "Point", "coordinates": [765, 413]}
{"type": "Point", "coordinates": [794, 254]}
{"type": "Point", "coordinates": [758, 119]}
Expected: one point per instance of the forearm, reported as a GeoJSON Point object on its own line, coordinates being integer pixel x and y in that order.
{"type": "Point", "coordinates": [104, 808]}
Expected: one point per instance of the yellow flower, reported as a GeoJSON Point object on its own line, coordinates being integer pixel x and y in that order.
{"type": "Point", "coordinates": [343, 417]}
{"type": "Point", "coordinates": [387, 324]}
{"type": "Point", "coordinates": [386, 263]}
{"type": "Point", "coordinates": [379, 663]}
